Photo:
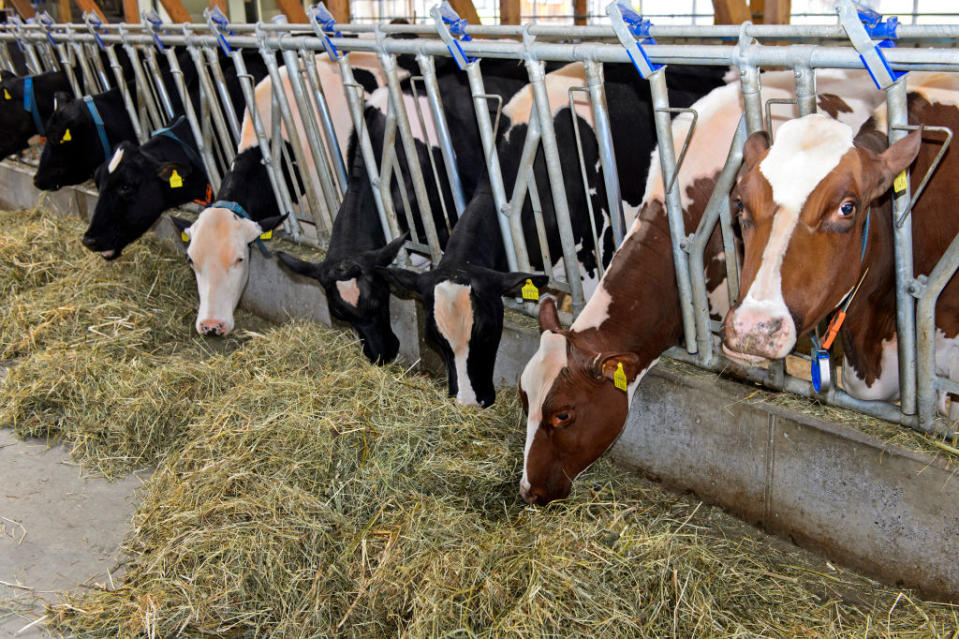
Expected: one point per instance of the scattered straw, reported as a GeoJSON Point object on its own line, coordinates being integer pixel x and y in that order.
{"type": "Point", "coordinates": [302, 492]}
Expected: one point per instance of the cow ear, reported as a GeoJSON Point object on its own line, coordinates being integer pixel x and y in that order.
{"type": "Point", "coordinates": [298, 266]}
{"type": "Point", "coordinates": [61, 98]}
{"type": "Point", "coordinates": [512, 284]}
{"type": "Point", "coordinates": [897, 159]}
{"type": "Point", "coordinates": [606, 366]}
{"type": "Point", "coordinates": [549, 316]}
{"type": "Point", "coordinates": [183, 226]}
{"type": "Point", "coordinates": [99, 174]}
{"type": "Point", "coordinates": [386, 255]}
{"type": "Point", "coordinates": [271, 223]}
{"type": "Point", "coordinates": [401, 279]}
{"type": "Point", "coordinates": [165, 170]}
{"type": "Point", "coordinates": [756, 145]}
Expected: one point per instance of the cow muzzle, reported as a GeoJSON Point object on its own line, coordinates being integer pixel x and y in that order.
{"type": "Point", "coordinates": [750, 332]}
{"type": "Point", "coordinates": [212, 328]}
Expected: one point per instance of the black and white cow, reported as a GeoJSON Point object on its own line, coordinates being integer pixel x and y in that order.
{"type": "Point", "coordinates": [135, 187]}
{"type": "Point", "coordinates": [462, 297]}
{"type": "Point", "coordinates": [246, 188]}
{"type": "Point", "coordinates": [26, 103]}
{"type": "Point", "coordinates": [350, 274]}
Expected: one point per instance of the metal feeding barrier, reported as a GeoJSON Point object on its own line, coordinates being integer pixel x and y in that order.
{"type": "Point", "coordinates": [291, 51]}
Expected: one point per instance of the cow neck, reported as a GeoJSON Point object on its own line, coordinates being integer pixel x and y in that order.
{"type": "Point", "coordinates": [193, 158]}
{"type": "Point", "coordinates": [643, 313]}
{"type": "Point", "coordinates": [476, 238]}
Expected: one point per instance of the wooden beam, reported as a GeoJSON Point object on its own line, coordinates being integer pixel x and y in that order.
{"type": "Point", "coordinates": [131, 11]}
{"type": "Point", "coordinates": [758, 9]}
{"type": "Point", "coordinates": [176, 11]}
{"type": "Point", "coordinates": [293, 10]}
{"type": "Point", "coordinates": [777, 11]}
{"type": "Point", "coordinates": [466, 10]}
{"type": "Point", "coordinates": [86, 6]}
{"type": "Point", "coordinates": [340, 9]}
{"type": "Point", "coordinates": [730, 11]}
{"type": "Point", "coordinates": [23, 8]}
{"type": "Point", "coordinates": [64, 12]}
{"type": "Point", "coordinates": [221, 5]}
{"type": "Point", "coordinates": [509, 11]}
{"type": "Point", "coordinates": [579, 12]}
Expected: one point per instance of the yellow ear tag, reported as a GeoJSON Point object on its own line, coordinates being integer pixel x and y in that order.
{"type": "Point", "coordinates": [6, 95]}
{"type": "Point", "coordinates": [175, 180]}
{"type": "Point", "coordinates": [619, 377]}
{"type": "Point", "coordinates": [530, 292]}
{"type": "Point", "coordinates": [900, 183]}
{"type": "Point", "coordinates": [184, 237]}
{"type": "Point", "coordinates": [267, 235]}
{"type": "Point", "coordinates": [66, 136]}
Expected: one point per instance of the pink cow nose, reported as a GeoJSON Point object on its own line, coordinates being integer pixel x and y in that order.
{"type": "Point", "coordinates": [211, 327]}
{"type": "Point", "coordinates": [758, 332]}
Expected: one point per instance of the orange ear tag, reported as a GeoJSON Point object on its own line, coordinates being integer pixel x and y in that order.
{"type": "Point", "coordinates": [530, 292]}
{"type": "Point", "coordinates": [619, 377]}
{"type": "Point", "coordinates": [176, 181]}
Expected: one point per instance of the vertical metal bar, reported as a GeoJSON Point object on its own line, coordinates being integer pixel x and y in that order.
{"type": "Point", "coordinates": [219, 81]}
{"type": "Point", "coordinates": [926, 327]}
{"type": "Point", "coordinates": [805, 90]}
{"type": "Point", "coordinates": [147, 105]}
{"type": "Point", "coordinates": [428, 69]}
{"type": "Point", "coordinates": [209, 94]}
{"type": "Point", "coordinates": [149, 55]}
{"type": "Point", "coordinates": [321, 168]}
{"type": "Point", "coordinates": [537, 76]}
{"type": "Point", "coordinates": [430, 158]}
{"type": "Point", "coordinates": [69, 68]}
{"type": "Point", "coordinates": [475, 77]}
{"type": "Point", "coordinates": [101, 74]}
{"type": "Point", "coordinates": [329, 131]}
{"type": "Point", "coordinates": [89, 82]}
{"type": "Point", "coordinates": [526, 182]}
{"type": "Point", "coordinates": [607, 152]}
{"type": "Point", "coordinates": [905, 304]}
{"type": "Point", "coordinates": [388, 61]}
{"type": "Point", "coordinates": [212, 172]}
{"type": "Point", "coordinates": [674, 207]}
{"type": "Point", "coordinates": [584, 176]}
{"type": "Point", "coordinates": [752, 97]}
{"type": "Point", "coordinates": [125, 94]}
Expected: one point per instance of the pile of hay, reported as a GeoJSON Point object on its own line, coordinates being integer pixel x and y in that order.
{"type": "Point", "coordinates": [307, 493]}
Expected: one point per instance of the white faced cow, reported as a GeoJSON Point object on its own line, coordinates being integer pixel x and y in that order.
{"type": "Point", "coordinates": [578, 386]}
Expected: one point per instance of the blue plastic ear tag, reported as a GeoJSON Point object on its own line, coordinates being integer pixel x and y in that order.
{"type": "Point", "coordinates": [820, 369]}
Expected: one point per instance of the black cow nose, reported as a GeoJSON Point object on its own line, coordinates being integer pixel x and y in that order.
{"type": "Point", "coordinates": [89, 242]}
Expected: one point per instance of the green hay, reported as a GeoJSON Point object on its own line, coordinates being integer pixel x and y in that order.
{"type": "Point", "coordinates": [301, 492]}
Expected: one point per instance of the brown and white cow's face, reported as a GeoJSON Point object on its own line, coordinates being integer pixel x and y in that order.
{"type": "Point", "coordinates": [803, 205]}
{"type": "Point", "coordinates": [574, 410]}
{"type": "Point", "coordinates": [219, 253]}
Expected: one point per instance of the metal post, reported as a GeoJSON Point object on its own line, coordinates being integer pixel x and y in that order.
{"type": "Point", "coordinates": [125, 93]}
{"type": "Point", "coordinates": [805, 90]}
{"type": "Point", "coordinates": [607, 152]}
{"type": "Point", "coordinates": [323, 109]}
{"type": "Point", "coordinates": [209, 95]}
{"type": "Point", "coordinates": [212, 173]}
{"type": "Point", "coordinates": [905, 303]}
{"type": "Point", "coordinates": [149, 54]}
{"type": "Point", "coordinates": [752, 97]}
{"type": "Point", "coordinates": [428, 69]}
{"type": "Point", "coordinates": [219, 81]}
{"type": "Point", "coordinates": [674, 207]}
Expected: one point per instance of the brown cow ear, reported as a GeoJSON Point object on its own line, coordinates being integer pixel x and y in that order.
{"type": "Point", "coordinates": [606, 366]}
{"type": "Point", "coordinates": [548, 316]}
{"type": "Point", "coordinates": [897, 159]}
{"type": "Point", "coordinates": [756, 145]}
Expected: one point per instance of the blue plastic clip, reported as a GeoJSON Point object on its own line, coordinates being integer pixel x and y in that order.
{"type": "Point", "coordinates": [47, 22]}
{"type": "Point", "coordinates": [17, 31]}
{"type": "Point", "coordinates": [820, 370]}
{"type": "Point", "coordinates": [153, 18]}
{"type": "Point", "coordinates": [221, 22]}
{"type": "Point", "coordinates": [633, 32]}
{"type": "Point", "coordinates": [326, 28]}
{"type": "Point", "coordinates": [452, 30]}
{"type": "Point", "coordinates": [95, 24]}
{"type": "Point", "coordinates": [884, 31]}
{"type": "Point", "coordinates": [862, 25]}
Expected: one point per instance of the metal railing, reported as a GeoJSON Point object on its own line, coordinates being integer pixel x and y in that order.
{"type": "Point", "coordinates": [49, 46]}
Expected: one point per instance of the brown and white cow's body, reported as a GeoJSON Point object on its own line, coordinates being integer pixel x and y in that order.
{"type": "Point", "coordinates": [575, 408]}
{"type": "Point", "coordinates": [802, 257]}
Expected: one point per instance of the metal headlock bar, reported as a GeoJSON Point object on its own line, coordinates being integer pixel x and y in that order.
{"type": "Point", "coordinates": [629, 38]}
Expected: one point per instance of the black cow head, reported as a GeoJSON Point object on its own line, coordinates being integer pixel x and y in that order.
{"type": "Point", "coordinates": [73, 149]}
{"type": "Point", "coordinates": [357, 294]}
{"type": "Point", "coordinates": [135, 188]}
{"type": "Point", "coordinates": [15, 122]}
{"type": "Point", "coordinates": [464, 320]}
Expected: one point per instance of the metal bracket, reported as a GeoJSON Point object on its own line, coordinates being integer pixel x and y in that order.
{"type": "Point", "coordinates": [452, 29]}
{"type": "Point", "coordinates": [633, 32]}
{"type": "Point", "coordinates": [46, 22]}
{"type": "Point", "coordinates": [94, 24]}
{"type": "Point", "coordinates": [854, 20]}
{"type": "Point", "coordinates": [932, 167]}
{"type": "Point", "coordinates": [324, 25]}
{"type": "Point", "coordinates": [219, 23]}
{"type": "Point", "coordinates": [152, 21]}
{"type": "Point", "coordinates": [917, 287]}
{"type": "Point", "coordinates": [689, 136]}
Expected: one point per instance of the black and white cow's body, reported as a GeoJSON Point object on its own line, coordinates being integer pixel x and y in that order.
{"type": "Point", "coordinates": [463, 295]}
{"type": "Point", "coordinates": [356, 290]}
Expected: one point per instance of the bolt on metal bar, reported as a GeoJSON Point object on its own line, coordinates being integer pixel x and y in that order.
{"type": "Point", "coordinates": [431, 86]}
{"type": "Point", "coordinates": [607, 152]}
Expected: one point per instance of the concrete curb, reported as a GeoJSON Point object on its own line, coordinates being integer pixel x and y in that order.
{"type": "Point", "coordinates": [886, 511]}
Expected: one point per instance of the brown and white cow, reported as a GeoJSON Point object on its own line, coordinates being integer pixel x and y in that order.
{"type": "Point", "coordinates": [575, 409]}
{"type": "Point", "coordinates": [816, 217]}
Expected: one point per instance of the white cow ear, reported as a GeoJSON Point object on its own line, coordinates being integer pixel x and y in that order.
{"type": "Point", "coordinates": [249, 230]}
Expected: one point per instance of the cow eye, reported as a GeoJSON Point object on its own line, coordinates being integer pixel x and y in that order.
{"type": "Point", "coordinates": [847, 209]}
{"type": "Point", "coordinates": [561, 418]}
{"type": "Point", "coordinates": [739, 205]}
{"type": "Point", "coordinates": [239, 260]}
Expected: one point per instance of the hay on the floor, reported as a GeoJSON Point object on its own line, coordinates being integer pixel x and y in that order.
{"type": "Point", "coordinates": [302, 492]}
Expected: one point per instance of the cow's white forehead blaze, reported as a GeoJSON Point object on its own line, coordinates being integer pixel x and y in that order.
{"type": "Point", "coordinates": [115, 161]}
{"type": "Point", "coordinates": [453, 314]}
{"type": "Point", "coordinates": [538, 378]}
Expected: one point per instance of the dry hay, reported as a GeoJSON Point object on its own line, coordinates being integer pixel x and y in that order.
{"type": "Point", "coordinates": [307, 493]}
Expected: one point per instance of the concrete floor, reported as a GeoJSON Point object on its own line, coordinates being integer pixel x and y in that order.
{"type": "Point", "coordinates": [59, 528]}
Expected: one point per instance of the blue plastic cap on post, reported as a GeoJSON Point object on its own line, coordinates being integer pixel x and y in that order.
{"type": "Point", "coordinates": [861, 25]}
{"type": "Point", "coordinates": [327, 27]}
{"type": "Point", "coordinates": [153, 18]}
{"type": "Point", "coordinates": [219, 20]}
{"type": "Point", "coordinates": [95, 24]}
{"type": "Point", "coordinates": [633, 32]}
{"type": "Point", "coordinates": [47, 21]}
{"type": "Point", "coordinates": [452, 29]}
